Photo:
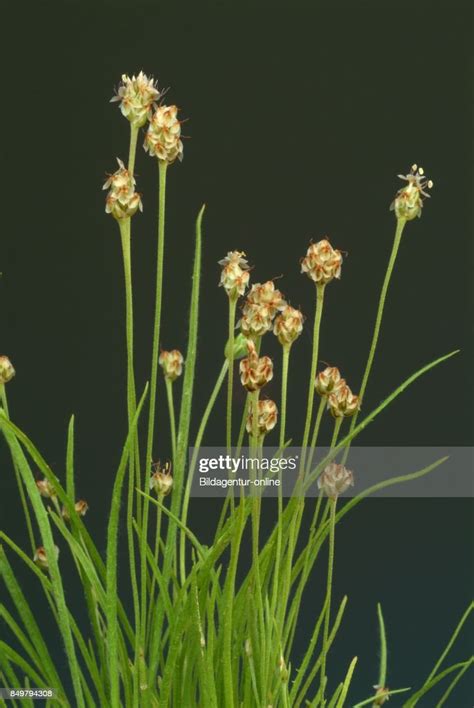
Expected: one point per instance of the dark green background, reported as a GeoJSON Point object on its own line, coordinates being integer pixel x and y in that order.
{"type": "Point", "coordinates": [300, 117]}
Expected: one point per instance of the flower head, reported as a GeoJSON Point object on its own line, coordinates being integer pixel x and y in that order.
{"type": "Point", "coordinates": [255, 371]}
{"type": "Point", "coordinates": [267, 417]}
{"type": "Point", "coordinates": [7, 372]}
{"type": "Point", "coordinates": [335, 480]}
{"type": "Point", "coordinates": [266, 297]}
{"type": "Point", "coordinates": [288, 325]}
{"type": "Point", "coordinates": [342, 402]}
{"type": "Point", "coordinates": [328, 380]}
{"type": "Point", "coordinates": [235, 274]}
{"type": "Point", "coordinates": [163, 137]}
{"type": "Point", "coordinates": [408, 202]}
{"type": "Point", "coordinates": [382, 695]}
{"type": "Point", "coordinates": [255, 322]}
{"type": "Point", "coordinates": [137, 96]}
{"type": "Point", "coordinates": [161, 480]}
{"type": "Point", "coordinates": [172, 364]}
{"type": "Point", "coordinates": [122, 200]}
{"type": "Point", "coordinates": [81, 507]}
{"type": "Point", "coordinates": [322, 262]}
{"type": "Point", "coordinates": [41, 559]}
{"type": "Point", "coordinates": [45, 488]}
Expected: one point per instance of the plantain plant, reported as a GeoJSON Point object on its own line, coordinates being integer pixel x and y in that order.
{"type": "Point", "coordinates": [207, 626]}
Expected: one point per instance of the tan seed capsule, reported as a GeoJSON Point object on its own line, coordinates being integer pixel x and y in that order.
{"type": "Point", "coordinates": [267, 417]}
{"type": "Point", "coordinates": [41, 559]}
{"type": "Point", "coordinates": [7, 372]}
{"type": "Point", "coordinates": [255, 371]}
{"type": "Point", "coordinates": [322, 262]}
{"type": "Point", "coordinates": [342, 402]}
{"type": "Point", "coordinates": [328, 381]}
{"type": "Point", "coordinates": [234, 276]}
{"type": "Point", "coordinates": [45, 488]}
{"type": "Point", "coordinates": [288, 325]}
{"type": "Point", "coordinates": [163, 137]}
{"type": "Point", "coordinates": [172, 364]}
{"type": "Point", "coordinates": [81, 507]}
{"type": "Point", "coordinates": [335, 480]}
{"type": "Point", "coordinates": [122, 200]}
{"type": "Point", "coordinates": [161, 481]}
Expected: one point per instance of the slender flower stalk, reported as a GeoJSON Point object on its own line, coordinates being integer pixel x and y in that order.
{"type": "Point", "coordinates": [327, 613]}
{"type": "Point", "coordinates": [284, 392]}
{"type": "Point", "coordinates": [314, 361]}
{"type": "Point", "coordinates": [230, 374]}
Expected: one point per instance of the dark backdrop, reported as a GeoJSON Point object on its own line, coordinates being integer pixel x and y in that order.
{"type": "Point", "coordinates": [300, 117]}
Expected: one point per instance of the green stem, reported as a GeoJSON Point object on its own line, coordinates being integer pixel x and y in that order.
{"type": "Point", "coordinates": [284, 392]}
{"type": "Point", "coordinates": [327, 616]}
{"type": "Point", "coordinates": [314, 363]}
{"type": "Point", "coordinates": [317, 425]}
{"type": "Point", "coordinates": [378, 320]}
{"type": "Point", "coordinates": [230, 375]}
{"type": "Point", "coordinates": [169, 395]}
{"type": "Point", "coordinates": [162, 167]}
{"type": "Point", "coordinates": [124, 225]}
{"type": "Point", "coordinates": [383, 649]}
{"type": "Point", "coordinates": [133, 148]}
{"type": "Point", "coordinates": [24, 503]}
{"type": "Point", "coordinates": [335, 432]}
{"type": "Point", "coordinates": [192, 467]}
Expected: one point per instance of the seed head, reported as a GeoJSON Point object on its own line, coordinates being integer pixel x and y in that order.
{"type": "Point", "coordinates": [81, 507]}
{"type": "Point", "coordinates": [234, 275]}
{"type": "Point", "coordinates": [322, 262]}
{"type": "Point", "coordinates": [122, 200]}
{"type": "Point", "coordinates": [267, 417]}
{"type": "Point", "coordinates": [328, 381]}
{"type": "Point", "coordinates": [137, 96]}
{"type": "Point", "coordinates": [408, 202]}
{"type": "Point", "coordinates": [255, 322]}
{"type": "Point", "coordinates": [335, 480]}
{"type": "Point", "coordinates": [163, 137]}
{"type": "Point", "coordinates": [255, 371]}
{"type": "Point", "coordinates": [172, 364]}
{"type": "Point", "coordinates": [45, 488]}
{"type": "Point", "coordinates": [342, 402]}
{"type": "Point", "coordinates": [41, 559]}
{"type": "Point", "coordinates": [266, 297]}
{"type": "Point", "coordinates": [161, 480]}
{"type": "Point", "coordinates": [288, 325]}
{"type": "Point", "coordinates": [7, 372]}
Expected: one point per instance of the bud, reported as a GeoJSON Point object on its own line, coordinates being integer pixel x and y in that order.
{"type": "Point", "coordinates": [163, 137]}
{"type": "Point", "coordinates": [335, 480]}
{"type": "Point", "coordinates": [172, 364]}
{"type": "Point", "coordinates": [408, 202]}
{"type": "Point", "coordinates": [161, 480]}
{"type": "Point", "coordinates": [7, 372]}
{"type": "Point", "coordinates": [240, 347]}
{"type": "Point", "coordinates": [137, 96]}
{"type": "Point", "coordinates": [40, 557]}
{"type": "Point", "coordinates": [266, 297]}
{"type": "Point", "coordinates": [342, 402]}
{"type": "Point", "coordinates": [328, 381]}
{"type": "Point", "coordinates": [322, 262]}
{"type": "Point", "coordinates": [267, 417]}
{"type": "Point", "coordinates": [45, 488]}
{"type": "Point", "coordinates": [122, 200]}
{"type": "Point", "coordinates": [288, 325]}
{"type": "Point", "coordinates": [382, 695]}
{"type": "Point", "coordinates": [283, 670]}
{"type": "Point", "coordinates": [80, 506]}
{"type": "Point", "coordinates": [235, 275]}
{"type": "Point", "coordinates": [255, 371]}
